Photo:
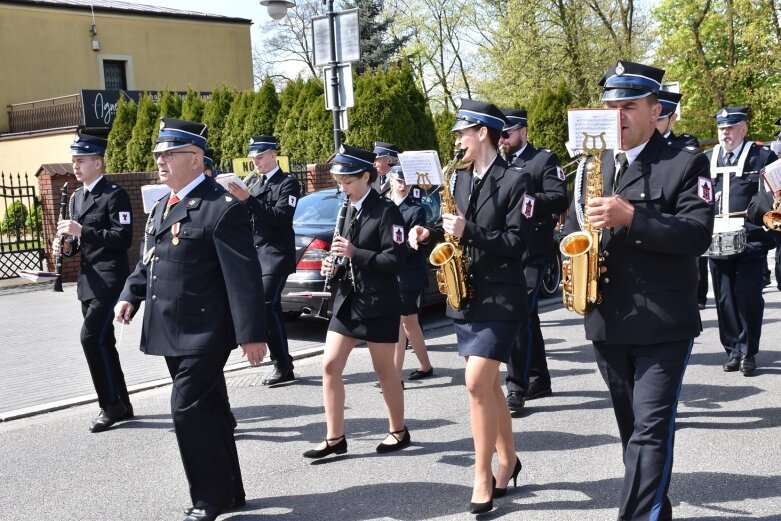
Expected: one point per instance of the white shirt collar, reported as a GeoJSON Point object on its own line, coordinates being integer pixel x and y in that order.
{"type": "Point", "coordinates": [736, 152]}
{"type": "Point", "coordinates": [189, 187]}
{"type": "Point", "coordinates": [479, 175]}
{"type": "Point", "coordinates": [632, 153]}
{"type": "Point", "coordinates": [359, 204]}
{"type": "Point", "coordinates": [667, 134]}
{"type": "Point", "coordinates": [517, 154]}
{"type": "Point", "coordinates": [90, 187]}
{"type": "Point", "coordinates": [272, 173]}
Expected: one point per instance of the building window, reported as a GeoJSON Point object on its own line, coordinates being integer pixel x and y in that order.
{"type": "Point", "coordinates": [114, 75]}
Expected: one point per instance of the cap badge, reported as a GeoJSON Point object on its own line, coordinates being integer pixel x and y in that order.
{"type": "Point", "coordinates": [252, 141]}
{"type": "Point", "coordinates": [724, 113]}
{"type": "Point", "coordinates": [162, 124]}
{"type": "Point", "coordinates": [341, 149]}
{"type": "Point", "coordinates": [620, 69]}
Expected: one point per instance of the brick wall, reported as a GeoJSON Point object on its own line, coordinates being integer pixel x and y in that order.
{"type": "Point", "coordinates": [50, 181]}
{"type": "Point", "coordinates": [319, 176]}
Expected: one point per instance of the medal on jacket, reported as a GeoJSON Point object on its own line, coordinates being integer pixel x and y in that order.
{"type": "Point", "coordinates": [175, 232]}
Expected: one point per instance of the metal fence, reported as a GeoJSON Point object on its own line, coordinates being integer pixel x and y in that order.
{"type": "Point", "coordinates": [64, 111]}
{"type": "Point", "coordinates": [21, 226]}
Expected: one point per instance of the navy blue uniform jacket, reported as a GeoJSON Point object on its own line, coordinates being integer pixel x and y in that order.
{"type": "Point", "coordinates": [414, 277]}
{"type": "Point", "coordinates": [106, 219]}
{"type": "Point", "coordinates": [204, 295]}
{"type": "Point", "coordinates": [649, 292]}
{"type": "Point", "coordinates": [494, 240]}
{"type": "Point", "coordinates": [272, 208]}
{"type": "Point", "coordinates": [378, 236]}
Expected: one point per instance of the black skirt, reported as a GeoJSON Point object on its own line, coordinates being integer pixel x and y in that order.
{"type": "Point", "coordinates": [382, 330]}
{"type": "Point", "coordinates": [492, 340]}
{"type": "Point", "coordinates": [410, 302]}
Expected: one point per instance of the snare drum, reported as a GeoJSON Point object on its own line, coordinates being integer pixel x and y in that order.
{"type": "Point", "coordinates": [729, 238]}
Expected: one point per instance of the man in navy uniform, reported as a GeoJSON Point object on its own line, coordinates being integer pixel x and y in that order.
{"type": "Point", "coordinates": [664, 124]}
{"type": "Point", "coordinates": [201, 283]}
{"type": "Point", "coordinates": [271, 196]}
{"type": "Point", "coordinates": [100, 227]}
{"type": "Point", "coordinates": [527, 373]}
{"type": "Point", "coordinates": [737, 279]}
{"type": "Point", "coordinates": [656, 218]}
{"type": "Point", "coordinates": [387, 155]}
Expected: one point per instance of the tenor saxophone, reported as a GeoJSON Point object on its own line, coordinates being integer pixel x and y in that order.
{"type": "Point", "coordinates": [582, 257]}
{"type": "Point", "coordinates": [448, 255]}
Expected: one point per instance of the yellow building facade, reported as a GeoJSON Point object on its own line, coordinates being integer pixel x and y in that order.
{"type": "Point", "coordinates": [53, 50]}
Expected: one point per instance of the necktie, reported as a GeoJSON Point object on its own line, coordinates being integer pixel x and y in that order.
{"type": "Point", "coordinates": [623, 164]}
{"type": "Point", "coordinates": [728, 158]}
{"type": "Point", "coordinates": [86, 194]}
{"type": "Point", "coordinates": [262, 180]}
{"type": "Point", "coordinates": [171, 201]}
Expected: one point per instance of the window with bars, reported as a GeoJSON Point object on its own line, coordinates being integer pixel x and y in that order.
{"type": "Point", "coordinates": [114, 75]}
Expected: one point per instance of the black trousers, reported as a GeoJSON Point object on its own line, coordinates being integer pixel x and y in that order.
{"type": "Point", "coordinates": [644, 383]}
{"type": "Point", "coordinates": [100, 350]}
{"type": "Point", "coordinates": [527, 359]}
{"type": "Point", "coordinates": [737, 285]}
{"type": "Point", "coordinates": [206, 444]}
{"type": "Point", "coordinates": [273, 285]}
{"type": "Point", "coordinates": [702, 282]}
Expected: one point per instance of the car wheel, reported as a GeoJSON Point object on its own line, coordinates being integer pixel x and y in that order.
{"type": "Point", "coordinates": [291, 315]}
{"type": "Point", "coordinates": [551, 278]}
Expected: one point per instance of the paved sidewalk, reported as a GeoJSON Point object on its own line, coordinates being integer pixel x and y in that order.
{"type": "Point", "coordinates": [726, 463]}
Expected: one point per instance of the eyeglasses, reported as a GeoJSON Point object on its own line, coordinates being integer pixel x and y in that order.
{"type": "Point", "coordinates": [168, 155]}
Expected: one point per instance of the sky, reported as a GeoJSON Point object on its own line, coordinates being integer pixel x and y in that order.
{"type": "Point", "coordinates": [250, 9]}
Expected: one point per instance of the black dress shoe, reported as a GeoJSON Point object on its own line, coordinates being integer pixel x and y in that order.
{"type": "Point", "coordinates": [501, 492]}
{"type": "Point", "coordinates": [732, 365]}
{"type": "Point", "coordinates": [537, 390]}
{"type": "Point", "coordinates": [128, 413]}
{"type": "Point", "coordinates": [108, 417]}
{"type": "Point", "coordinates": [701, 305]}
{"type": "Point", "coordinates": [748, 365]}
{"type": "Point", "coordinates": [401, 442]}
{"type": "Point", "coordinates": [206, 513]}
{"type": "Point", "coordinates": [336, 448]}
{"type": "Point", "coordinates": [238, 502]}
{"type": "Point", "coordinates": [515, 401]}
{"type": "Point", "coordinates": [279, 376]}
{"type": "Point", "coordinates": [417, 374]}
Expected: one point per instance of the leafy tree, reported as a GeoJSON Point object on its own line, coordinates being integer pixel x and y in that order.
{"type": "Point", "coordinates": [548, 119]}
{"type": "Point", "coordinates": [14, 219]}
{"type": "Point", "coordinates": [378, 45]}
{"type": "Point", "coordinates": [120, 135]}
{"type": "Point", "coordinates": [214, 115]}
{"type": "Point", "coordinates": [193, 106]}
{"type": "Point", "coordinates": [139, 148]}
{"type": "Point", "coordinates": [263, 113]}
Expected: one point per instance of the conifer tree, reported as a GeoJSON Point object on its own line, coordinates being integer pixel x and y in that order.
{"type": "Point", "coordinates": [378, 46]}
{"type": "Point", "coordinates": [120, 135]}
{"type": "Point", "coordinates": [214, 115]}
{"type": "Point", "coordinates": [234, 144]}
{"type": "Point", "coordinates": [548, 119]}
{"type": "Point", "coordinates": [170, 106]}
{"type": "Point", "coordinates": [263, 113]}
{"type": "Point", "coordinates": [193, 106]}
{"type": "Point", "coordinates": [308, 131]}
{"type": "Point", "coordinates": [287, 98]}
{"type": "Point", "coordinates": [443, 122]}
{"type": "Point", "coordinates": [139, 148]}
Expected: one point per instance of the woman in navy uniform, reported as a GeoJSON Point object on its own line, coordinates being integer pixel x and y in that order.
{"type": "Point", "coordinates": [201, 285]}
{"type": "Point", "coordinates": [737, 279]}
{"type": "Point", "coordinates": [100, 227]}
{"type": "Point", "coordinates": [367, 304]}
{"type": "Point", "coordinates": [271, 197]}
{"type": "Point", "coordinates": [656, 218]}
{"type": "Point", "coordinates": [490, 197]}
{"type": "Point", "coordinates": [413, 279]}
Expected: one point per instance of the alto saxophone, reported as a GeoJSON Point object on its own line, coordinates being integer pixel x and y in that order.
{"type": "Point", "coordinates": [448, 255]}
{"type": "Point", "coordinates": [580, 268]}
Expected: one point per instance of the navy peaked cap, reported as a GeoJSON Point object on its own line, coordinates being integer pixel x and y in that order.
{"type": "Point", "coordinates": [473, 113]}
{"type": "Point", "coordinates": [397, 172]}
{"type": "Point", "coordinates": [515, 118]}
{"type": "Point", "coordinates": [669, 101]}
{"type": "Point", "coordinates": [88, 145]}
{"type": "Point", "coordinates": [260, 144]}
{"type": "Point", "coordinates": [383, 149]}
{"type": "Point", "coordinates": [630, 80]}
{"type": "Point", "coordinates": [729, 116]}
{"type": "Point", "coordinates": [178, 133]}
{"type": "Point", "coordinates": [353, 160]}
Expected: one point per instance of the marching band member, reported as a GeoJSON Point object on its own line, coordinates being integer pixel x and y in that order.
{"type": "Point", "coordinates": [100, 228]}
{"type": "Point", "coordinates": [271, 198]}
{"type": "Point", "coordinates": [387, 155]}
{"type": "Point", "coordinates": [201, 285]}
{"type": "Point", "coordinates": [737, 279]}
{"type": "Point", "coordinates": [656, 217]}
{"type": "Point", "coordinates": [412, 280]}
{"type": "Point", "coordinates": [528, 377]}
{"type": "Point", "coordinates": [368, 303]}
{"type": "Point", "coordinates": [490, 198]}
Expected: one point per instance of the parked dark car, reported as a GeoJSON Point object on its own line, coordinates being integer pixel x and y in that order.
{"type": "Point", "coordinates": [314, 224]}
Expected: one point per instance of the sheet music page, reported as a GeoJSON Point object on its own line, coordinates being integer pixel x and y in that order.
{"type": "Point", "coordinates": [421, 167]}
{"type": "Point", "coordinates": [225, 179]}
{"type": "Point", "coordinates": [772, 175]}
{"type": "Point", "coordinates": [151, 193]}
{"type": "Point", "coordinates": [594, 122]}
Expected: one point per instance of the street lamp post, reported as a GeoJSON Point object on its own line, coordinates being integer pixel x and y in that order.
{"type": "Point", "coordinates": [277, 9]}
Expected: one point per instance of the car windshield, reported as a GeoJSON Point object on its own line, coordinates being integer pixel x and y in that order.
{"type": "Point", "coordinates": [318, 208]}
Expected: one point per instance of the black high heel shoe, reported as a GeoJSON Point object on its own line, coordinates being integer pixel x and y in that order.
{"type": "Point", "coordinates": [402, 442]}
{"type": "Point", "coordinates": [482, 508]}
{"type": "Point", "coordinates": [500, 492]}
{"type": "Point", "coordinates": [336, 448]}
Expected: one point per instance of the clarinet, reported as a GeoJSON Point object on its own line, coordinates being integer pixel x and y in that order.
{"type": "Point", "coordinates": [336, 262]}
{"type": "Point", "coordinates": [58, 240]}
